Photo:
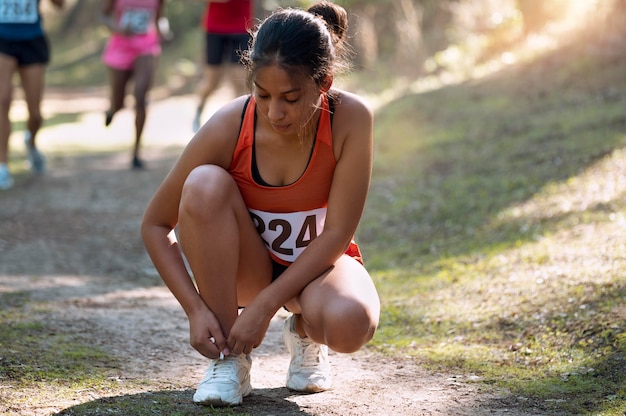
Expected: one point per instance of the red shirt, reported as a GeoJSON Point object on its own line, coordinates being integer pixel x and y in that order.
{"type": "Point", "coordinates": [230, 17]}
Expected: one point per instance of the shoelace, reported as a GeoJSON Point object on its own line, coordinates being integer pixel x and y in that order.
{"type": "Point", "coordinates": [310, 353]}
{"type": "Point", "coordinates": [222, 370]}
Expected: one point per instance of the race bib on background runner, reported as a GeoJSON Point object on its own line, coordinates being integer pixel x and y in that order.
{"type": "Point", "coordinates": [18, 11]}
{"type": "Point", "coordinates": [136, 20]}
{"type": "Point", "coordinates": [288, 234]}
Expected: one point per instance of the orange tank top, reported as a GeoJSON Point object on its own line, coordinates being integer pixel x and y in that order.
{"type": "Point", "coordinates": [288, 217]}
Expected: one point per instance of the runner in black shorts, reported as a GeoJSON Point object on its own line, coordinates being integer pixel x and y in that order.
{"type": "Point", "coordinates": [221, 48]}
{"type": "Point", "coordinates": [26, 52]}
{"type": "Point", "coordinates": [226, 27]}
{"type": "Point", "coordinates": [23, 50]}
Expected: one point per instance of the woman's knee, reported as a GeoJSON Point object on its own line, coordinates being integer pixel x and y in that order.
{"type": "Point", "coordinates": [141, 101]}
{"type": "Point", "coordinates": [343, 307]}
{"type": "Point", "coordinates": [349, 325]}
{"type": "Point", "coordinates": [205, 188]}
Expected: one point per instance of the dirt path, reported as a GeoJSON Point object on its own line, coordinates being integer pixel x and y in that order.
{"type": "Point", "coordinates": [71, 238]}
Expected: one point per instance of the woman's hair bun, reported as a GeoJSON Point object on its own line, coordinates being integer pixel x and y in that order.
{"type": "Point", "coordinates": [335, 16]}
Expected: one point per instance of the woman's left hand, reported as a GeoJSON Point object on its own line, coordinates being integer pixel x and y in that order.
{"type": "Point", "coordinates": [249, 330]}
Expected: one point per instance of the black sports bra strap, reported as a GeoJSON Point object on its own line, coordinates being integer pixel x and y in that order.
{"type": "Point", "coordinates": [243, 113]}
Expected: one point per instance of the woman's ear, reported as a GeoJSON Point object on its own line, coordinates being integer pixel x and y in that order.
{"type": "Point", "coordinates": [327, 83]}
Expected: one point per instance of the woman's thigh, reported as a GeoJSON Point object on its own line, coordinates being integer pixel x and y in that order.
{"type": "Point", "coordinates": [222, 225]}
{"type": "Point", "coordinates": [8, 66]}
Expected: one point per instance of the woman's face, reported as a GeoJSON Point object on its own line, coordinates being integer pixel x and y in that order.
{"type": "Point", "coordinates": [287, 105]}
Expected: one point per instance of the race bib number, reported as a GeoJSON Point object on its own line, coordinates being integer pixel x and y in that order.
{"type": "Point", "coordinates": [288, 234]}
{"type": "Point", "coordinates": [136, 21]}
{"type": "Point", "coordinates": [18, 11]}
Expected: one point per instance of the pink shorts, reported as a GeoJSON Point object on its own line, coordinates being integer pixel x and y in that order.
{"type": "Point", "coordinates": [122, 51]}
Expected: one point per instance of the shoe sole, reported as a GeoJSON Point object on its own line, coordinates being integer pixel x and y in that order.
{"type": "Point", "coordinates": [218, 401]}
{"type": "Point", "coordinates": [309, 388]}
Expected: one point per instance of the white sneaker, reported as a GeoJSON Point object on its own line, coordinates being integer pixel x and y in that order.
{"type": "Point", "coordinates": [226, 382]}
{"type": "Point", "coordinates": [309, 369]}
{"type": "Point", "coordinates": [6, 180]}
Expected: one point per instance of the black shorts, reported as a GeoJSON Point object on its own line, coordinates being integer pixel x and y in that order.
{"type": "Point", "coordinates": [27, 52]}
{"type": "Point", "coordinates": [221, 48]}
{"type": "Point", "coordinates": [277, 269]}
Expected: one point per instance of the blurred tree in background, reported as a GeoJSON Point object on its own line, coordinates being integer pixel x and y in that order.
{"type": "Point", "coordinates": [406, 37]}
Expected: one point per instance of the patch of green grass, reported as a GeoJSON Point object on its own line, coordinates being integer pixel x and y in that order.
{"type": "Point", "coordinates": [40, 364]}
{"type": "Point", "coordinates": [493, 231]}
{"type": "Point", "coordinates": [32, 352]}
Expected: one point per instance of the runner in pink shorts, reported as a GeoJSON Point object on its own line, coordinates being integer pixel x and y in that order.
{"type": "Point", "coordinates": [121, 52]}
{"type": "Point", "coordinates": [132, 52]}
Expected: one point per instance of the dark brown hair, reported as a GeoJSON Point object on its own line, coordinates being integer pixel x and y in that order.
{"type": "Point", "coordinates": [311, 42]}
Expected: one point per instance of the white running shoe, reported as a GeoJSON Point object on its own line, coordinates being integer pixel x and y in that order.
{"type": "Point", "coordinates": [309, 369]}
{"type": "Point", "coordinates": [226, 382]}
{"type": "Point", "coordinates": [6, 180]}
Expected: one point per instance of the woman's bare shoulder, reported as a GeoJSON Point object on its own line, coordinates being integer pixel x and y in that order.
{"type": "Point", "coordinates": [351, 103]}
{"type": "Point", "coordinates": [230, 114]}
{"type": "Point", "coordinates": [353, 121]}
{"type": "Point", "coordinates": [217, 138]}
{"type": "Point", "coordinates": [223, 125]}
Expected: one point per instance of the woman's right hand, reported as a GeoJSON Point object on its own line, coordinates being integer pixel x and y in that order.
{"type": "Point", "coordinates": [205, 334]}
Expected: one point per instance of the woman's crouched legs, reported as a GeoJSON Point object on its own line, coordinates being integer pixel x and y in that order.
{"type": "Point", "coordinates": [340, 308]}
{"type": "Point", "coordinates": [230, 265]}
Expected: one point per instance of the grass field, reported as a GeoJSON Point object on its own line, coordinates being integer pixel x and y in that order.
{"type": "Point", "coordinates": [495, 229]}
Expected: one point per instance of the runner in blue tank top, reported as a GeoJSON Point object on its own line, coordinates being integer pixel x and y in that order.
{"type": "Point", "coordinates": [24, 50]}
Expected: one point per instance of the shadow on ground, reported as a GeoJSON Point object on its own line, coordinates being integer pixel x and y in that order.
{"type": "Point", "coordinates": [261, 402]}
